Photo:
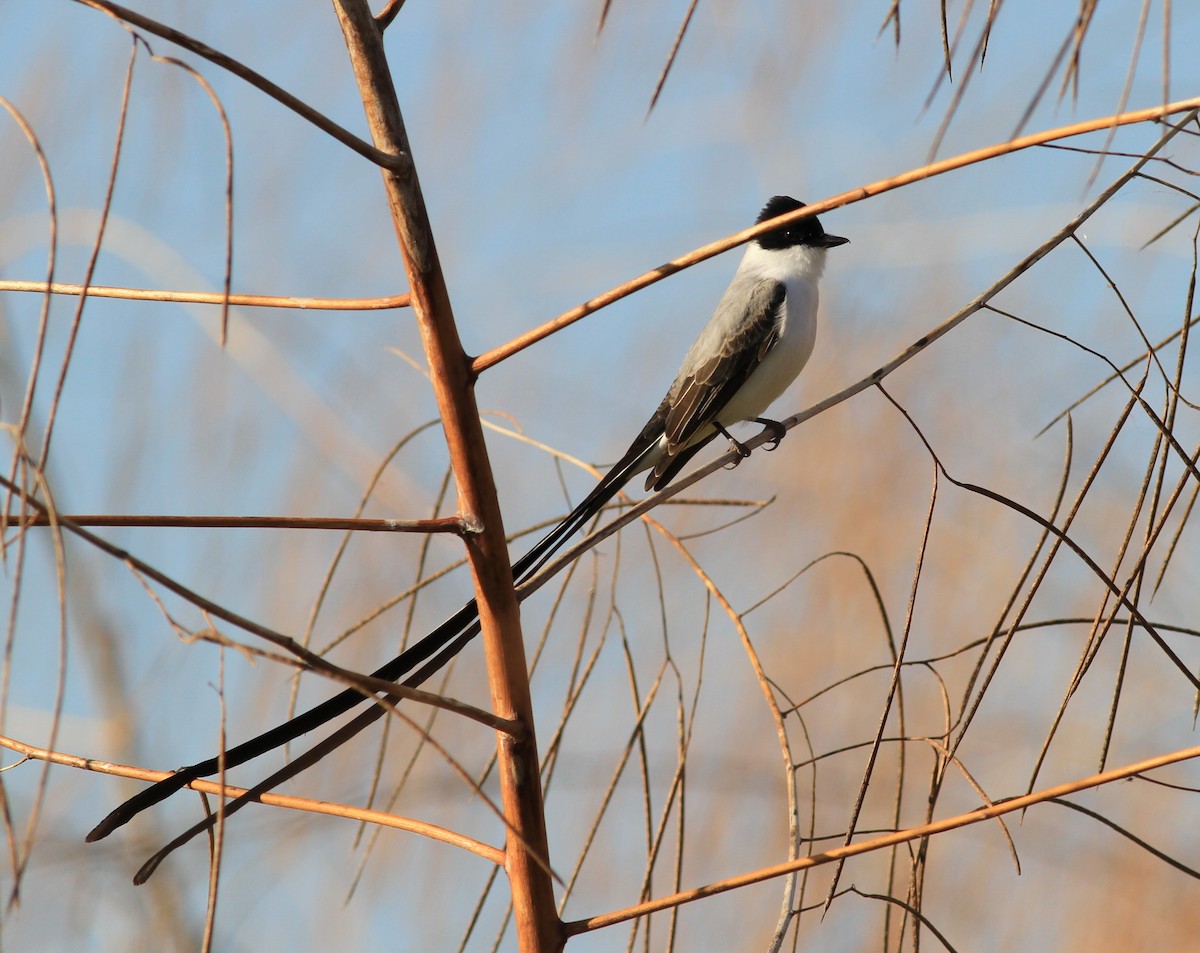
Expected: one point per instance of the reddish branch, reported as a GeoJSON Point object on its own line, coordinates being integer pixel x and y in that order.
{"type": "Point", "coordinates": [537, 922]}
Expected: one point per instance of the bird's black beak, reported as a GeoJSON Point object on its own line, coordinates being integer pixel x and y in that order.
{"type": "Point", "coordinates": [830, 241]}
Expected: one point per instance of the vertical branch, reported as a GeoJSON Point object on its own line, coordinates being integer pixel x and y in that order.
{"type": "Point", "coordinates": [538, 926]}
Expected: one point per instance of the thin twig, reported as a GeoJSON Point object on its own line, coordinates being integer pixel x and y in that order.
{"type": "Point", "coordinates": [210, 297]}
{"type": "Point", "coordinates": [1000, 808]}
{"type": "Point", "coordinates": [505, 351]}
{"type": "Point", "coordinates": [445, 524]}
{"type": "Point", "coordinates": [395, 161]}
{"type": "Point", "coordinates": [331, 808]}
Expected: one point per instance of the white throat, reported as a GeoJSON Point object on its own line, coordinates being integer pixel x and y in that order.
{"type": "Point", "coordinates": [796, 263]}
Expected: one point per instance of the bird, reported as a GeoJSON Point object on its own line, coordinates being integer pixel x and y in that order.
{"type": "Point", "coordinates": [758, 340]}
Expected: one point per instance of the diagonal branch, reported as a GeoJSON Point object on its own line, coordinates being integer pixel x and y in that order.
{"type": "Point", "coordinates": [665, 270]}
{"type": "Point", "coordinates": [1008, 806]}
{"type": "Point", "coordinates": [387, 160]}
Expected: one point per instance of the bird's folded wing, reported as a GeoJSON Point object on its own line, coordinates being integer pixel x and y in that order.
{"type": "Point", "coordinates": [698, 398]}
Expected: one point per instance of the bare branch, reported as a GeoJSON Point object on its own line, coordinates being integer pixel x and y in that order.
{"type": "Point", "coordinates": [1000, 808]}
{"type": "Point", "coordinates": [505, 351]}
{"type": "Point", "coordinates": [211, 297]}
{"type": "Point", "coordinates": [386, 160]}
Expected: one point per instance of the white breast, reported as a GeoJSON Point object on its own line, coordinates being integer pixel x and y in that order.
{"type": "Point", "coordinates": [799, 270]}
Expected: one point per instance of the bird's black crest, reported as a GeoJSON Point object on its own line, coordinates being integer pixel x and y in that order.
{"type": "Point", "coordinates": [805, 232]}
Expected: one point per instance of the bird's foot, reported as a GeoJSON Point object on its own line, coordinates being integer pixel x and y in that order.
{"type": "Point", "coordinates": [742, 450]}
{"type": "Point", "coordinates": [778, 431]}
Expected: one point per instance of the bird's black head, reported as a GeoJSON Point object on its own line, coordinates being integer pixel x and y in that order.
{"type": "Point", "coordinates": [807, 231]}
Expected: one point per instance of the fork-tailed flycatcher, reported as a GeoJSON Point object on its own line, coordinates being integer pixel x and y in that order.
{"type": "Point", "coordinates": [757, 341]}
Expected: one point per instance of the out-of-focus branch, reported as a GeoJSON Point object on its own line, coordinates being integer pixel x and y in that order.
{"type": "Point", "coordinates": [211, 297]}
{"type": "Point", "coordinates": [57, 522]}
{"type": "Point", "coordinates": [526, 855]}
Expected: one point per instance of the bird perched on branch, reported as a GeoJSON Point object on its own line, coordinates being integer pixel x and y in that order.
{"type": "Point", "coordinates": [755, 344]}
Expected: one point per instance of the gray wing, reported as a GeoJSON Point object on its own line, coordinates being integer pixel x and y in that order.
{"type": "Point", "coordinates": [735, 348]}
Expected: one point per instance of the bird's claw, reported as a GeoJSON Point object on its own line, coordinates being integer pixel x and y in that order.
{"type": "Point", "coordinates": [778, 432]}
{"type": "Point", "coordinates": [734, 444]}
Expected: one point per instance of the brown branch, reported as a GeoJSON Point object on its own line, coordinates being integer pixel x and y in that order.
{"type": "Point", "coordinates": [666, 70]}
{"type": "Point", "coordinates": [572, 928]}
{"type": "Point", "coordinates": [448, 524]}
{"type": "Point", "coordinates": [505, 351]}
{"type": "Point", "coordinates": [537, 923]}
{"type": "Point", "coordinates": [731, 457]}
{"type": "Point", "coordinates": [387, 160]}
{"type": "Point", "coordinates": [367, 684]}
{"type": "Point", "coordinates": [388, 13]}
{"type": "Point", "coordinates": [332, 808]}
{"type": "Point", "coordinates": [211, 297]}
{"type": "Point", "coordinates": [737, 620]}
{"type": "Point", "coordinates": [90, 267]}
{"type": "Point", "coordinates": [227, 132]}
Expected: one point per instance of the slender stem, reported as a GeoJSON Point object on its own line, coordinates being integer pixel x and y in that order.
{"type": "Point", "coordinates": [210, 297]}
{"type": "Point", "coordinates": [331, 808]}
{"type": "Point", "coordinates": [997, 809]}
{"type": "Point", "coordinates": [447, 524]}
{"type": "Point", "coordinates": [321, 121]}
{"type": "Point", "coordinates": [665, 270]}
